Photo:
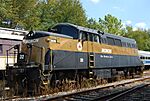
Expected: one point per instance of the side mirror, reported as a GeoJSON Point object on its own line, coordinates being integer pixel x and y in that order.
{"type": "Point", "coordinates": [100, 32]}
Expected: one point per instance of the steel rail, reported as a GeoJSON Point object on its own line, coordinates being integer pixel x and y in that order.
{"type": "Point", "coordinates": [92, 98]}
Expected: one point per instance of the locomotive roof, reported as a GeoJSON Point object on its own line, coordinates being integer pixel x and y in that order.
{"type": "Point", "coordinates": [12, 34]}
{"type": "Point", "coordinates": [102, 34]}
{"type": "Point", "coordinates": [52, 34]}
{"type": "Point", "coordinates": [123, 39]}
{"type": "Point", "coordinates": [144, 53]}
{"type": "Point", "coordinates": [37, 34]}
{"type": "Point", "coordinates": [80, 28]}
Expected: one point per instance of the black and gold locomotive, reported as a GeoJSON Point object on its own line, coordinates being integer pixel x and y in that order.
{"type": "Point", "coordinates": [69, 52]}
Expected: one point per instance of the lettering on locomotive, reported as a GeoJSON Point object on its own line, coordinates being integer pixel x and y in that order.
{"type": "Point", "coordinates": [106, 50]}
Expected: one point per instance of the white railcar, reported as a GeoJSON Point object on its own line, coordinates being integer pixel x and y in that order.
{"type": "Point", "coordinates": [145, 57]}
{"type": "Point", "coordinates": [8, 38]}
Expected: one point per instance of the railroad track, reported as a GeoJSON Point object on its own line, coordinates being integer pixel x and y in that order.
{"type": "Point", "coordinates": [103, 93]}
{"type": "Point", "coordinates": [130, 94]}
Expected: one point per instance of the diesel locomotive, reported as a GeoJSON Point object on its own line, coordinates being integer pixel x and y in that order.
{"type": "Point", "coordinates": [69, 52]}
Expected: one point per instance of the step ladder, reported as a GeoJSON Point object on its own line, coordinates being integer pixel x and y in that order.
{"type": "Point", "coordinates": [46, 78]}
{"type": "Point", "coordinates": [91, 60]}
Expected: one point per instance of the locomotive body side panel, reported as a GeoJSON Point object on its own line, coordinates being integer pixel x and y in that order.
{"type": "Point", "coordinates": [69, 53]}
{"type": "Point", "coordinates": [67, 56]}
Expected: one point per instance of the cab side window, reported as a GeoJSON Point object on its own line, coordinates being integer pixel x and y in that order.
{"type": "Point", "coordinates": [83, 36]}
{"type": "Point", "coordinates": [96, 38]}
{"type": "Point", "coordinates": [90, 37]}
{"type": "Point", "coordinates": [110, 41]}
{"type": "Point", "coordinates": [103, 40]}
{"type": "Point", "coordinates": [118, 42]}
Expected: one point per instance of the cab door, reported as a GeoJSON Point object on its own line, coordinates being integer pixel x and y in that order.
{"type": "Point", "coordinates": [82, 47]}
{"type": "Point", "coordinates": [87, 58]}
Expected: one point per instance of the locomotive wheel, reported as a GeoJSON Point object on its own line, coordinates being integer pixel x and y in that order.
{"type": "Point", "coordinates": [69, 85]}
{"type": "Point", "coordinates": [88, 83]}
{"type": "Point", "coordinates": [44, 89]}
{"type": "Point", "coordinates": [141, 71]}
{"type": "Point", "coordinates": [72, 85]}
{"type": "Point", "coordinates": [126, 73]}
{"type": "Point", "coordinates": [2, 87]}
{"type": "Point", "coordinates": [16, 89]}
{"type": "Point", "coordinates": [35, 89]}
{"type": "Point", "coordinates": [12, 92]}
{"type": "Point", "coordinates": [104, 81]}
{"type": "Point", "coordinates": [93, 82]}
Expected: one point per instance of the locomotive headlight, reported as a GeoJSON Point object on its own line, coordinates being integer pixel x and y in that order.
{"type": "Point", "coordinates": [30, 41]}
{"type": "Point", "coordinates": [51, 40]}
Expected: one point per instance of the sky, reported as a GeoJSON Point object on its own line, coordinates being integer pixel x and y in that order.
{"type": "Point", "coordinates": [135, 13]}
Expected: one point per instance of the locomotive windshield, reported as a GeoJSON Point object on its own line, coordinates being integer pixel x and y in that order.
{"type": "Point", "coordinates": [66, 30]}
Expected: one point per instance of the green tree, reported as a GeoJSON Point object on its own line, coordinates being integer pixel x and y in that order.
{"type": "Point", "coordinates": [41, 14]}
{"type": "Point", "coordinates": [19, 12]}
{"type": "Point", "coordinates": [92, 23]}
{"type": "Point", "coordinates": [5, 10]}
{"type": "Point", "coordinates": [27, 13]}
{"type": "Point", "coordinates": [59, 11]}
{"type": "Point", "coordinates": [127, 30]}
{"type": "Point", "coordinates": [111, 24]}
{"type": "Point", "coordinates": [142, 38]}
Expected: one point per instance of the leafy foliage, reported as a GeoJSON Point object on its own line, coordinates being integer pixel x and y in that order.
{"type": "Point", "coordinates": [92, 23]}
{"type": "Point", "coordinates": [42, 14]}
{"type": "Point", "coordinates": [111, 24]}
{"type": "Point", "coordinates": [19, 12]}
{"type": "Point", "coordinates": [59, 11]}
{"type": "Point", "coordinates": [142, 38]}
